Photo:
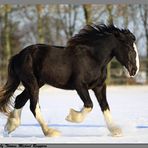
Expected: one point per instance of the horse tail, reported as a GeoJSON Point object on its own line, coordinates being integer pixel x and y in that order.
{"type": "Point", "coordinates": [7, 91]}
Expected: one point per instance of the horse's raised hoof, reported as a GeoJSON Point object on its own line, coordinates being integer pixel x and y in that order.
{"type": "Point", "coordinates": [52, 133]}
{"type": "Point", "coordinates": [6, 133]}
{"type": "Point", "coordinates": [116, 131]}
{"type": "Point", "coordinates": [11, 125]}
{"type": "Point", "coordinates": [75, 116]}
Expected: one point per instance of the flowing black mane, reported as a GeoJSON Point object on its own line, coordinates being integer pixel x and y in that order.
{"type": "Point", "coordinates": [91, 32]}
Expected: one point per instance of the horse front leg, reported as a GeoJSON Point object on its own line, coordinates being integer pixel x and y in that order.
{"type": "Point", "coordinates": [79, 116]}
{"type": "Point", "coordinates": [100, 94]}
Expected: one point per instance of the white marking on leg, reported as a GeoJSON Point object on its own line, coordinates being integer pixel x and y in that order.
{"type": "Point", "coordinates": [78, 116]}
{"type": "Point", "coordinates": [137, 57]}
{"type": "Point", "coordinates": [115, 130]}
{"type": "Point", "coordinates": [13, 121]}
{"type": "Point", "coordinates": [47, 131]}
{"type": "Point", "coordinates": [108, 118]}
{"type": "Point", "coordinates": [17, 113]}
{"type": "Point", "coordinates": [39, 116]}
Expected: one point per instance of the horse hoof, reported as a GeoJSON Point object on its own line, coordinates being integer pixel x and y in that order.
{"type": "Point", "coordinates": [75, 116]}
{"type": "Point", "coordinates": [11, 125]}
{"type": "Point", "coordinates": [52, 133]}
{"type": "Point", "coordinates": [116, 132]}
{"type": "Point", "coordinates": [6, 133]}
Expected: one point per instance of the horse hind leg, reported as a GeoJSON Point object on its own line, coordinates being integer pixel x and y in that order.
{"type": "Point", "coordinates": [49, 132]}
{"type": "Point", "coordinates": [14, 120]}
{"type": "Point", "coordinates": [33, 89]}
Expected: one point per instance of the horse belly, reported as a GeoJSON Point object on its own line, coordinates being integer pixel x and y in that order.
{"type": "Point", "coordinates": [59, 77]}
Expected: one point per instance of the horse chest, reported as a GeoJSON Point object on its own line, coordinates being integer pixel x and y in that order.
{"type": "Point", "coordinates": [96, 81]}
{"type": "Point", "coordinates": [95, 77]}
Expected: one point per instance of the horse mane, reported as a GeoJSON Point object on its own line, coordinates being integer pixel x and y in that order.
{"type": "Point", "coordinates": [91, 32]}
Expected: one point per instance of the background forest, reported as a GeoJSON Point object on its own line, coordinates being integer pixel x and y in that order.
{"type": "Point", "coordinates": [23, 25]}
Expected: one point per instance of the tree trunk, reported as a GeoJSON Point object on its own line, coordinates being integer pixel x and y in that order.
{"type": "Point", "coordinates": [7, 47]}
{"type": "Point", "coordinates": [87, 8]}
{"type": "Point", "coordinates": [144, 17]}
{"type": "Point", "coordinates": [68, 19]}
{"type": "Point", "coordinates": [109, 8]}
{"type": "Point", "coordinates": [39, 9]}
{"type": "Point", "coordinates": [110, 21]}
{"type": "Point", "coordinates": [126, 16]}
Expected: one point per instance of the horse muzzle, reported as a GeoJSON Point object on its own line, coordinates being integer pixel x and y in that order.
{"type": "Point", "coordinates": [132, 70]}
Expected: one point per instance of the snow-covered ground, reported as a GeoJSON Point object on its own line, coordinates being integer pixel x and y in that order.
{"type": "Point", "coordinates": [129, 107]}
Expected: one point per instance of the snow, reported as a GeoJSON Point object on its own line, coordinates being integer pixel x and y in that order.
{"type": "Point", "coordinates": [129, 107]}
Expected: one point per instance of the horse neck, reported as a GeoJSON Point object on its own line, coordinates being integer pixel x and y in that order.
{"type": "Point", "coordinates": [104, 58]}
{"type": "Point", "coordinates": [105, 52]}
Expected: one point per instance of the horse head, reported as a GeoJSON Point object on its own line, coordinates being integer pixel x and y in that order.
{"type": "Point", "coordinates": [126, 52]}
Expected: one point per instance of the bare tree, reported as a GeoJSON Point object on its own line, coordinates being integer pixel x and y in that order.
{"type": "Point", "coordinates": [87, 8]}
{"type": "Point", "coordinates": [122, 10]}
{"type": "Point", "coordinates": [68, 16]}
{"type": "Point", "coordinates": [144, 17]}
{"type": "Point", "coordinates": [7, 51]}
{"type": "Point", "coordinates": [109, 9]}
{"type": "Point", "coordinates": [40, 27]}
{"type": "Point", "coordinates": [5, 40]}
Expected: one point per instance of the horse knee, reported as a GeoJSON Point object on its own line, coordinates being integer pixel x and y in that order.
{"type": "Point", "coordinates": [33, 105]}
{"type": "Point", "coordinates": [33, 101]}
{"type": "Point", "coordinates": [88, 104]}
{"type": "Point", "coordinates": [33, 108]}
{"type": "Point", "coordinates": [104, 105]}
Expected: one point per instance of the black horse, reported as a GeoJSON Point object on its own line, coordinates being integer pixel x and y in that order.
{"type": "Point", "coordinates": [80, 66]}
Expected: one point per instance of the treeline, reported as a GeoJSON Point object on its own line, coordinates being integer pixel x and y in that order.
{"type": "Point", "coordinates": [22, 25]}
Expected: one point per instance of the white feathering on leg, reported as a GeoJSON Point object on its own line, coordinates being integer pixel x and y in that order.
{"type": "Point", "coordinates": [78, 116]}
{"type": "Point", "coordinates": [115, 130]}
{"type": "Point", "coordinates": [47, 131]}
{"type": "Point", "coordinates": [13, 121]}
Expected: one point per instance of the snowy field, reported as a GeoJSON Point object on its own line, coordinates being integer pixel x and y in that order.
{"type": "Point", "coordinates": [129, 107]}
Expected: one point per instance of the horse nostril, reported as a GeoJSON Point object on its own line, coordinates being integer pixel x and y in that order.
{"type": "Point", "coordinates": [133, 72]}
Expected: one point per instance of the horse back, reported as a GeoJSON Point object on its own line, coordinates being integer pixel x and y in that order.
{"type": "Point", "coordinates": [50, 64]}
